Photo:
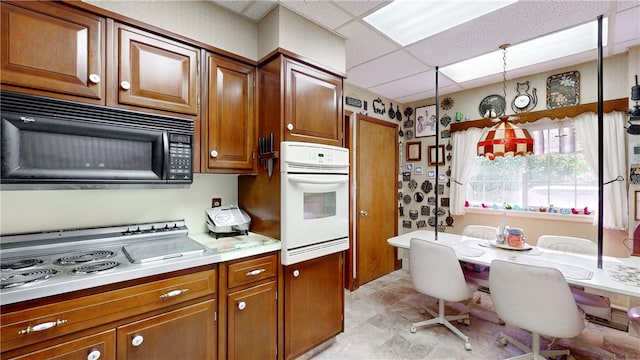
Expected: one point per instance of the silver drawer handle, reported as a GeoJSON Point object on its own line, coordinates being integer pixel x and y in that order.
{"type": "Point", "coordinates": [173, 293]}
{"type": "Point", "coordinates": [256, 272]}
{"type": "Point", "coordinates": [41, 327]}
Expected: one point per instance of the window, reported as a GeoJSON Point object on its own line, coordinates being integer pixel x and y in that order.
{"type": "Point", "coordinates": [558, 174]}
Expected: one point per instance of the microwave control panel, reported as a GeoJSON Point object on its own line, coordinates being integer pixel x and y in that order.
{"type": "Point", "coordinates": [180, 157]}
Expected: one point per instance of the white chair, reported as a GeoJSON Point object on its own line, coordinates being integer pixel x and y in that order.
{"type": "Point", "coordinates": [591, 304]}
{"type": "Point", "coordinates": [480, 232]}
{"type": "Point", "coordinates": [536, 299]}
{"type": "Point", "coordinates": [435, 271]}
{"type": "Point", "coordinates": [479, 274]}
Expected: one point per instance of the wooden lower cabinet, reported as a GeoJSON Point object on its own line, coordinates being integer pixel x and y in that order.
{"type": "Point", "coordinates": [248, 329]}
{"type": "Point", "coordinates": [313, 303]}
{"type": "Point", "coordinates": [186, 333]}
{"type": "Point", "coordinates": [99, 346]}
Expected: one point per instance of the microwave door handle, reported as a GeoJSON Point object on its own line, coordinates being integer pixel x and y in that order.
{"type": "Point", "coordinates": [165, 149]}
{"type": "Point", "coordinates": [317, 180]}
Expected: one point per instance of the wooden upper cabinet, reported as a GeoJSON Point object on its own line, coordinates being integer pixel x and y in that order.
{"type": "Point", "coordinates": [313, 105]}
{"type": "Point", "coordinates": [229, 126]}
{"type": "Point", "coordinates": [53, 50]}
{"type": "Point", "coordinates": [155, 72]}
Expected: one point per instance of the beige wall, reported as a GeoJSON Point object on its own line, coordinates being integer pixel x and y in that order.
{"type": "Point", "coordinates": [44, 210]}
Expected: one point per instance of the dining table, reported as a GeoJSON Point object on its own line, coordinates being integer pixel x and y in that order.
{"type": "Point", "coordinates": [617, 275]}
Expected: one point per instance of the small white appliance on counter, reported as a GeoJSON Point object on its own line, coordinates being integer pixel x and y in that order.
{"type": "Point", "coordinates": [315, 200]}
{"type": "Point", "coordinates": [227, 220]}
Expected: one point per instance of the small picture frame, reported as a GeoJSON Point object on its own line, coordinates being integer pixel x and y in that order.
{"type": "Point", "coordinates": [409, 167]}
{"type": "Point", "coordinates": [563, 90]}
{"type": "Point", "coordinates": [426, 121]}
{"type": "Point", "coordinates": [441, 177]}
{"type": "Point", "coordinates": [436, 152]}
{"type": "Point", "coordinates": [418, 170]}
{"type": "Point", "coordinates": [637, 206]}
{"type": "Point", "coordinates": [431, 174]}
{"type": "Point", "coordinates": [414, 151]}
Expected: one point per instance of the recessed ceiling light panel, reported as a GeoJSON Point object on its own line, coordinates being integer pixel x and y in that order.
{"type": "Point", "coordinates": [407, 21]}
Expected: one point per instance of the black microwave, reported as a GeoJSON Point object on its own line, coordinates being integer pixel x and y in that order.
{"type": "Point", "coordinates": [68, 144]}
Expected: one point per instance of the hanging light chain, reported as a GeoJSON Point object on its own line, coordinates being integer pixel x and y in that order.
{"type": "Point", "coordinates": [504, 70]}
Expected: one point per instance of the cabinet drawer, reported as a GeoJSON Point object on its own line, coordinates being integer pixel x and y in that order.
{"type": "Point", "coordinates": [102, 345]}
{"type": "Point", "coordinates": [247, 271]}
{"type": "Point", "coordinates": [49, 320]}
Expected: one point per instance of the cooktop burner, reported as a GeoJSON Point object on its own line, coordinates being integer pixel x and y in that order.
{"type": "Point", "coordinates": [86, 256]}
{"type": "Point", "coordinates": [20, 264]}
{"type": "Point", "coordinates": [95, 267]}
{"type": "Point", "coordinates": [17, 278]}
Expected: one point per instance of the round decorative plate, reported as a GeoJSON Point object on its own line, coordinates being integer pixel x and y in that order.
{"type": "Point", "coordinates": [408, 112]}
{"type": "Point", "coordinates": [407, 199]}
{"type": "Point", "coordinates": [426, 186]}
{"type": "Point", "coordinates": [492, 106]}
{"type": "Point", "coordinates": [400, 195]}
{"type": "Point", "coordinates": [408, 135]}
{"type": "Point", "coordinates": [399, 184]}
{"type": "Point", "coordinates": [445, 120]}
{"type": "Point", "coordinates": [418, 197]}
{"type": "Point", "coordinates": [446, 103]}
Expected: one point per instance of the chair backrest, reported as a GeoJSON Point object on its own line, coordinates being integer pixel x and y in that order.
{"type": "Point", "coordinates": [534, 298]}
{"type": "Point", "coordinates": [435, 270]}
{"type": "Point", "coordinates": [568, 244]}
{"type": "Point", "coordinates": [480, 232]}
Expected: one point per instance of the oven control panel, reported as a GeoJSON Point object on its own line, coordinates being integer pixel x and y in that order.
{"type": "Point", "coordinates": [297, 156]}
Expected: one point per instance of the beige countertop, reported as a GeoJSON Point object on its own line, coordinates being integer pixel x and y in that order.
{"type": "Point", "coordinates": [236, 247]}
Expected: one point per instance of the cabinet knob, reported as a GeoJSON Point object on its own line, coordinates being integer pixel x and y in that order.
{"type": "Point", "coordinates": [94, 355]}
{"type": "Point", "coordinates": [290, 126]}
{"type": "Point", "coordinates": [125, 85]}
{"type": "Point", "coordinates": [214, 153]}
{"type": "Point", "coordinates": [242, 305]}
{"type": "Point", "coordinates": [364, 213]}
{"type": "Point", "coordinates": [296, 273]}
{"type": "Point", "coordinates": [137, 340]}
{"type": "Point", "coordinates": [94, 78]}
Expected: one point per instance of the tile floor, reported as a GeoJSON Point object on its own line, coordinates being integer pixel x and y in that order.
{"type": "Point", "coordinates": [378, 316]}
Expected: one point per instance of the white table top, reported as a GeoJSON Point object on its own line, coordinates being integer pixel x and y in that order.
{"type": "Point", "coordinates": [578, 269]}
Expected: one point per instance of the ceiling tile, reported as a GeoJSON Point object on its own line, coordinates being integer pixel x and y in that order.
{"type": "Point", "coordinates": [361, 8]}
{"type": "Point", "coordinates": [320, 12]}
{"type": "Point", "coordinates": [387, 68]}
{"type": "Point", "coordinates": [364, 44]}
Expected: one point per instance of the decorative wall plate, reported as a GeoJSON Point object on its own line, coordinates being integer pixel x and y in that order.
{"type": "Point", "coordinates": [418, 197]}
{"type": "Point", "coordinates": [392, 113]}
{"type": "Point", "coordinates": [399, 184]}
{"type": "Point", "coordinates": [408, 112]}
{"type": "Point", "coordinates": [426, 186]}
{"type": "Point", "coordinates": [406, 224]}
{"type": "Point", "coordinates": [378, 106]}
{"type": "Point", "coordinates": [445, 120]}
{"type": "Point", "coordinates": [523, 101]}
{"type": "Point", "coordinates": [398, 113]}
{"type": "Point", "coordinates": [408, 135]}
{"type": "Point", "coordinates": [408, 124]}
{"type": "Point", "coordinates": [400, 195]}
{"type": "Point", "coordinates": [492, 106]}
{"type": "Point", "coordinates": [446, 103]}
{"type": "Point", "coordinates": [413, 184]}
{"type": "Point", "coordinates": [444, 134]}
{"type": "Point", "coordinates": [407, 199]}
{"type": "Point", "coordinates": [425, 210]}
{"type": "Point", "coordinates": [563, 89]}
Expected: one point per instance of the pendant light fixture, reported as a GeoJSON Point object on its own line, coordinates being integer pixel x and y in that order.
{"type": "Point", "coordinates": [505, 138]}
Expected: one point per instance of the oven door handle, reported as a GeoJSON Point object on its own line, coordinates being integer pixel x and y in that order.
{"type": "Point", "coordinates": [317, 179]}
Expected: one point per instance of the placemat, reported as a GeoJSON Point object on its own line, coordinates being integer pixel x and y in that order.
{"type": "Point", "coordinates": [569, 271]}
{"type": "Point", "coordinates": [625, 274]}
{"type": "Point", "coordinates": [468, 251]}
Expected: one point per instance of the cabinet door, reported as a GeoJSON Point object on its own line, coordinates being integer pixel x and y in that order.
{"type": "Point", "coordinates": [156, 72]}
{"type": "Point", "coordinates": [313, 111]}
{"type": "Point", "coordinates": [53, 49]}
{"type": "Point", "coordinates": [230, 124]}
{"type": "Point", "coordinates": [314, 303]}
{"type": "Point", "coordinates": [99, 346]}
{"type": "Point", "coordinates": [186, 333]}
{"type": "Point", "coordinates": [252, 323]}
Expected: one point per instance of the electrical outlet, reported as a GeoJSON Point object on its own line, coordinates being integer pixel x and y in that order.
{"type": "Point", "coordinates": [215, 202]}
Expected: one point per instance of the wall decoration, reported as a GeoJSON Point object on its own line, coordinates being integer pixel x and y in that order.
{"type": "Point", "coordinates": [409, 167]}
{"type": "Point", "coordinates": [426, 186]}
{"type": "Point", "coordinates": [425, 210]}
{"type": "Point", "coordinates": [408, 123]}
{"type": "Point", "coordinates": [433, 154]}
{"type": "Point", "coordinates": [446, 103]}
{"type": "Point", "coordinates": [492, 106]}
{"type": "Point", "coordinates": [408, 135]}
{"type": "Point", "coordinates": [406, 224]}
{"type": "Point", "coordinates": [431, 173]}
{"type": "Point", "coordinates": [414, 151]}
{"type": "Point", "coordinates": [398, 113]}
{"type": "Point", "coordinates": [421, 223]}
{"type": "Point", "coordinates": [408, 112]}
{"type": "Point", "coordinates": [418, 170]}
{"type": "Point", "coordinates": [378, 106]}
{"type": "Point", "coordinates": [523, 101]}
{"type": "Point", "coordinates": [426, 121]}
{"type": "Point", "coordinates": [441, 177]}
{"type": "Point", "coordinates": [445, 134]}
{"type": "Point", "coordinates": [445, 120]}
{"type": "Point", "coordinates": [352, 101]}
{"type": "Point", "coordinates": [392, 113]}
{"type": "Point", "coordinates": [406, 176]}
{"type": "Point", "coordinates": [563, 89]}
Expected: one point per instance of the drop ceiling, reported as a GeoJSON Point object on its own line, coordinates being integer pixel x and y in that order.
{"type": "Point", "coordinates": [407, 74]}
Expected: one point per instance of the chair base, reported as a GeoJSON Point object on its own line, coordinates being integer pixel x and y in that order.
{"type": "Point", "coordinates": [442, 319]}
{"type": "Point", "coordinates": [532, 352]}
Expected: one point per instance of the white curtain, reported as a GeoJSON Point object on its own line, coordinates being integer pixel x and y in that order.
{"type": "Point", "coordinates": [615, 214]}
{"type": "Point", "coordinates": [464, 150]}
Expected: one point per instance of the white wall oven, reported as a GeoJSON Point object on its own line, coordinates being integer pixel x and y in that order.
{"type": "Point", "coordinates": [315, 200]}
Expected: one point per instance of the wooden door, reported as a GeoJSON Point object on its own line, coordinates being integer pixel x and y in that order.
{"type": "Point", "coordinates": [313, 105]}
{"type": "Point", "coordinates": [186, 333]}
{"type": "Point", "coordinates": [230, 123]}
{"type": "Point", "coordinates": [314, 303]}
{"type": "Point", "coordinates": [156, 72]}
{"type": "Point", "coordinates": [48, 48]}
{"type": "Point", "coordinates": [252, 323]}
{"type": "Point", "coordinates": [376, 198]}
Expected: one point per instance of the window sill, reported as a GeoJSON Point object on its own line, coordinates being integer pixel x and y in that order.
{"type": "Point", "coordinates": [532, 215]}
